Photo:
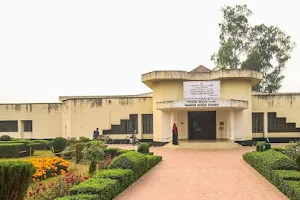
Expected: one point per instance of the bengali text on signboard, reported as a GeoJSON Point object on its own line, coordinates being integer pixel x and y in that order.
{"type": "Point", "coordinates": [201, 90]}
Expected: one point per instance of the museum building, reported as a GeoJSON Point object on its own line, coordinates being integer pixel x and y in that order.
{"type": "Point", "coordinates": [205, 105]}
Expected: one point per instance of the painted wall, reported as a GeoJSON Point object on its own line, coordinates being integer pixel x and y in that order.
{"type": "Point", "coordinates": [46, 119]}
{"type": "Point", "coordinates": [82, 116]}
{"type": "Point", "coordinates": [285, 105]}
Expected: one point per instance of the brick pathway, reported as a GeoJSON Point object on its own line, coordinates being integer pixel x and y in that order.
{"type": "Point", "coordinates": [193, 175]}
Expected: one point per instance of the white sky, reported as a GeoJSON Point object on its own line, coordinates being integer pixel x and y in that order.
{"type": "Point", "coordinates": [56, 48]}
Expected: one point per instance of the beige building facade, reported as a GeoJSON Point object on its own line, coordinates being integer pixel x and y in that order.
{"type": "Point", "coordinates": [205, 105]}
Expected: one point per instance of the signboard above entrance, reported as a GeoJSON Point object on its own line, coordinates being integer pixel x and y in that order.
{"type": "Point", "coordinates": [201, 90]}
{"type": "Point", "coordinates": [202, 103]}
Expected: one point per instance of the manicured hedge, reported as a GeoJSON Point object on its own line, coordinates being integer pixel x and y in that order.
{"type": "Point", "coordinates": [124, 176]}
{"type": "Point", "coordinates": [81, 197]}
{"type": "Point", "coordinates": [105, 188]}
{"type": "Point", "coordinates": [121, 151]}
{"type": "Point", "coordinates": [278, 169]}
{"type": "Point", "coordinates": [133, 160]}
{"type": "Point", "coordinates": [112, 152]}
{"type": "Point", "coordinates": [122, 172]}
{"type": "Point", "coordinates": [15, 177]}
{"type": "Point", "coordinates": [12, 150]}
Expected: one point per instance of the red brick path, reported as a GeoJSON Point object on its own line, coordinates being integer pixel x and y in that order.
{"type": "Point", "coordinates": [193, 175]}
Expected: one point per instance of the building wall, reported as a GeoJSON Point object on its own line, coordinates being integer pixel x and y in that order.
{"type": "Point", "coordinates": [285, 105]}
{"type": "Point", "coordinates": [82, 116]}
{"type": "Point", "coordinates": [46, 119]}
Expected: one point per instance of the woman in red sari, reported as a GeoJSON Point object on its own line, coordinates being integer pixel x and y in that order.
{"type": "Point", "coordinates": [175, 134]}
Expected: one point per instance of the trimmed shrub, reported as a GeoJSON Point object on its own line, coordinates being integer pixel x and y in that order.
{"type": "Point", "coordinates": [58, 144]}
{"type": "Point", "coordinates": [298, 160]}
{"type": "Point", "coordinates": [15, 177]}
{"type": "Point", "coordinates": [112, 152]}
{"type": "Point", "coordinates": [81, 197]}
{"type": "Point", "coordinates": [84, 139]}
{"type": "Point", "coordinates": [279, 149]}
{"type": "Point", "coordinates": [40, 144]}
{"type": "Point", "coordinates": [143, 148]}
{"type": "Point", "coordinates": [152, 160]}
{"type": "Point", "coordinates": [124, 176]}
{"type": "Point", "coordinates": [260, 146]}
{"type": "Point", "coordinates": [13, 150]}
{"type": "Point", "coordinates": [5, 138]}
{"type": "Point", "coordinates": [105, 188]}
{"type": "Point", "coordinates": [133, 160]}
{"type": "Point", "coordinates": [122, 151]}
{"type": "Point", "coordinates": [290, 175]}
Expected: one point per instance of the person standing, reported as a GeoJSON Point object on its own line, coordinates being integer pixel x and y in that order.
{"type": "Point", "coordinates": [96, 134]}
{"type": "Point", "coordinates": [175, 135]}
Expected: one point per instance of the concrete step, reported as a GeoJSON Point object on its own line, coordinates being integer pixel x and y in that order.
{"type": "Point", "coordinates": [204, 145]}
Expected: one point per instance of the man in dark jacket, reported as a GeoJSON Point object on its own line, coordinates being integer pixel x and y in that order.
{"type": "Point", "coordinates": [96, 134]}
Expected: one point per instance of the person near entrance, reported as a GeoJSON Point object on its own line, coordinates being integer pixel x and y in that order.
{"type": "Point", "coordinates": [175, 134]}
{"type": "Point", "coordinates": [96, 134]}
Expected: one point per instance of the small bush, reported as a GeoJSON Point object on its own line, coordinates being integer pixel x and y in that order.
{"type": "Point", "coordinates": [143, 148]}
{"type": "Point", "coordinates": [122, 151]}
{"type": "Point", "coordinates": [124, 176]}
{"type": "Point", "coordinates": [112, 152]}
{"type": "Point", "coordinates": [84, 139]}
{"type": "Point", "coordinates": [260, 146]}
{"type": "Point", "coordinates": [133, 160]}
{"type": "Point", "coordinates": [58, 144]}
{"type": "Point", "coordinates": [105, 188]}
{"type": "Point", "coordinates": [81, 197]}
{"type": "Point", "coordinates": [15, 177]}
{"type": "Point", "coordinates": [5, 138]}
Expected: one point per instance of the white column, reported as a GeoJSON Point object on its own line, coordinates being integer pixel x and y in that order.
{"type": "Point", "coordinates": [20, 129]}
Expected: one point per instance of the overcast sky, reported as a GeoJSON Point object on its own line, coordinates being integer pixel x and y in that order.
{"type": "Point", "coordinates": [56, 48]}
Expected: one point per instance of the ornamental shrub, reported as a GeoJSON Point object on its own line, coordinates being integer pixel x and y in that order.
{"type": "Point", "coordinates": [15, 177]}
{"type": "Point", "coordinates": [143, 148]}
{"type": "Point", "coordinates": [58, 144]}
{"type": "Point", "coordinates": [260, 146]}
{"type": "Point", "coordinates": [5, 138]}
{"type": "Point", "coordinates": [93, 153]}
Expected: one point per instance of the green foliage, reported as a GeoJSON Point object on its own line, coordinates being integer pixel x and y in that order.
{"type": "Point", "coordinates": [260, 48]}
{"type": "Point", "coordinates": [279, 149]}
{"type": "Point", "coordinates": [298, 160]}
{"type": "Point", "coordinates": [124, 176]}
{"type": "Point", "coordinates": [260, 146]}
{"type": "Point", "coordinates": [292, 150]}
{"type": "Point", "coordinates": [58, 144]}
{"type": "Point", "coordinates": [122, 151]}
{"type": "Point", "coordinates": [278, 169]}
{"type": "Point", "coordinates": [143, 148]}
{"type": "Point", "coordinates": [69, 152]}
{"type": "Point", "coordinates": [99, 144]}
{"type": "Point", "coordinates": [94, 153]}
{"type": "Point", "coordinates": [132, 160]}
{"type": "Point", "coordinates": [81, 197]}
{"type": "Point", "coordinates": [84, 139]}
{"type": "Point", "coordinates": [14, 150]}
{"type": "Point", "coordinates": [105, 188]}
{"type": "Point", "coordinates": [5, 138]}
{"type": "Point", "coordinates": [40, 144]}
{"type": "Point", "coordinates": [79, 147]}
{"type": "Point", "coordinates": [112, 152]}
{"type": "Point", "coordinates": [124, 170]}
{"type": "Point", "coordinates": [15, 177]}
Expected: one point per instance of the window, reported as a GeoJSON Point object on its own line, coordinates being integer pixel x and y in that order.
{"type": "Point", "coordinates": [133, 123]}
{"type": "Point", "coordinates": [8, 126]}
{"type": "Point", "coordinates": [147, 120]}
{"type": "Point", "coordinates": [257, 122]}
{"type": "Point", "coordinates": [27, 124]}
{"type": "Point", "coordinates": [278, 124]}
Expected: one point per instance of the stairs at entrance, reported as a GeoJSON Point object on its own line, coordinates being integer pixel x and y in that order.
{"type": "Point", "coordinates": [204, 145]}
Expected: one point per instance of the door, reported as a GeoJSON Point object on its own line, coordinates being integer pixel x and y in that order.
{"type": "Point", "coordinates": [202, 125]}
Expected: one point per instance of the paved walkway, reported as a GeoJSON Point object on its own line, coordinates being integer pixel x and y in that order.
{"type": "Point", "coordinates": [193, 175]}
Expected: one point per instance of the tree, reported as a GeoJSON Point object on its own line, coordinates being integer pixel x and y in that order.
{"type": "Point", "coordinates": [260, 48]}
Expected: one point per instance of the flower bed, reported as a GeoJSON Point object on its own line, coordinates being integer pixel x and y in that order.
{"type": "Point", "coordinates": [55, 189]}
{"type": "Point", "coordinates": [49, 167]}
{"type": "Point", "coordinates": [107, 184]}
{"type": "Point", "coordinates": [280, 170]}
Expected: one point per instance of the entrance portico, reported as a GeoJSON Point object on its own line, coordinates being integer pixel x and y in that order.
{"type": "Point", "coordinates": [204, 104]}
{"type": "Point", "coordinates": [202, 119]}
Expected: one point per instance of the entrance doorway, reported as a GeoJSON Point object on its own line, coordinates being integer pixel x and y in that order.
{"type": "Point", "coordinates": [202, 125]}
